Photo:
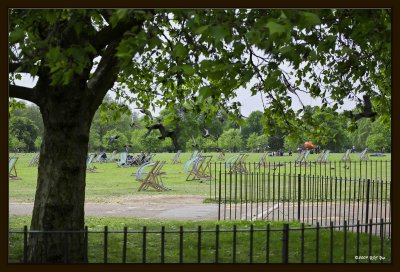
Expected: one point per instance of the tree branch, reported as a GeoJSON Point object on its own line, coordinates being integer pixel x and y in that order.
{"type": "Point", "coordinates": [22, 93]}
{"type": "Point", "coordinates": [109, 34]}
{"type": "Point", "coordinates": [14, 66]}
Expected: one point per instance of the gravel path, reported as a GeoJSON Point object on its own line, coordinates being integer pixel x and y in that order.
{"type": "Point", "coordinates": [153, 206]}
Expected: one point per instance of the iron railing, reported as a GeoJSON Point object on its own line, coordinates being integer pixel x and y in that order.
{"type": "Point", "coordinates": [300, 244]}
{"type": "Point", "coordinates": [264, 193]}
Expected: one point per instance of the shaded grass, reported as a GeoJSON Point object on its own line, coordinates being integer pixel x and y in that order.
{"type": "Point", "coordinates": [264, 247]}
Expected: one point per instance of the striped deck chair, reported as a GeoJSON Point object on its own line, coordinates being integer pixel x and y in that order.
{"type": "Point", "coordinates": [325, 156]}
{"type": "Point", "coordinates": [300, 157]}
{"type": "Point", "coordinates": [221, 155]}
{"type": "Point", "coordinates": [261, 161]}
{"type": "Point", "coordinates": [200, 169]}
{"type": "Point", "coordinates": [320, 156]}
{"type": "Point", "coordinates": [363, 156]}
{"type": "Point", "coordinates": [195, 154]}
{"type": "Point", "coordinates": [241, 163]}
{"type": "Point", "coordinates": [346, 156]}
{"type": "Point", "coordinates": [231, 162]}
{"type": "Point", "coordinates": [12, 170]}
{"type": "Point", "coordinates": [112, 157]}
{"type": "Point", "coordinates": [176, 160]}
{"type": "Point", "coordinates": [152, 178]}
{"type": "Point", "coordinates": [35, 160]}
{"type": "Point", "coordinates": [123, 156]}
{"type": "Point", "coordinates": [89, 167]}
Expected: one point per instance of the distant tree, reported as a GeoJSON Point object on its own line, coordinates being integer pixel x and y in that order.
{"type": "Point", "coordinates": [252, 141]}
{"type": "Point", "coordinates": [231, 140]}
{"type": "Point", "coordinates": [25, 131]}
{"type": "Point", "coordinates": [252, 124]}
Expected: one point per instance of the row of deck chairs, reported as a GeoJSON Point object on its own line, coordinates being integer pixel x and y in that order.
{"type": "Point", "coordinates": [138, 160]}
{"type": "Point", "coordinates": [12, 170]}
{"type": "Point", "coordinates": [152, 178]}
{"type": "Point", "coordinates": [99, 158]}
{"type": "Point", "coordinates": [237, 163]}
{"type": "Point", "coordinates": [363, 156]}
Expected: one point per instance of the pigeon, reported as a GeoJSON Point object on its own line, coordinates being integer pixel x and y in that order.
{"type": "Point", "coordinates": [206, 133]}
{"type": "Point", "coordinates": [194, 143]}
{"type": "Point", "coordinates": [113, 138]}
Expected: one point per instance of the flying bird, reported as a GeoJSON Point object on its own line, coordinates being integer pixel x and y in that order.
{"type": "Point", "coordinates": [206, 133]}
{"type": "Point", "coordinates": [194, 144]}
{"type": "Point", "coordinates": [113, 138]}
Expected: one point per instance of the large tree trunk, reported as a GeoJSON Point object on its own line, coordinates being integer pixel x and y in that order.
{"type": "Point", "coordinates": [60, 194]}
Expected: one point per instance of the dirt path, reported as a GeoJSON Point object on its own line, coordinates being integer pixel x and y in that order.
{"type": "Point", "coordinates": [152, 206]}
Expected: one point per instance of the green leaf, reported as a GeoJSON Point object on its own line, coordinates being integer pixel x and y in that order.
{"type": "Point", "coordinates": [17, 35]}
{"type": "Point", "coordinates": [188, 69]}
{"type": "Point", "coordinates": [205, 92]}
{"type": "Point", "coordinates": [219, 32]}
{"type": "Point", "coordinates": [201, 29]}
{"type": "Point", "coordinates": [180, 51]}
{"type": "Point", "coordinates": [275, 28]}
{"type": "Point", "coordinates": [311, 18]}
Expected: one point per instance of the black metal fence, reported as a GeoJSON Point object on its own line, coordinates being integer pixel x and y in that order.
{"type": "Point", "coordinates": [302, 244]}
{"type": "Point", "coordinates": [264, 193]}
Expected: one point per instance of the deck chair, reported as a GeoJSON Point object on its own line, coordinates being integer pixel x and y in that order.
{"type": "Point", "coordinates": [261, 161]}
{"type": "Point", "coordinates": [241, 163]}
{"type": "Point", "coordinates": [195, 154]}
{"type": "Point", "coordinates": [112, 157]}
{"type": "Point", "coordinates": [363, 156]}
{"type": "Point", "coordinates": [152, 178]}
{"type": "Point", "coordinates": [12, 170]}
{"type": "Point", "coordinates": [89, 167]}
{"type": "Point", "coordinates": [176, 160]}
{"type": "Point", "coordinates": [320, 156]}
{"type": "Point", "coordinates": [200, 169]}
{"type": "Point", "coordinates": [221, 156]}
{"type": "Point", "coordinates": [346, 156]}
{"type": "Point", "coordinates": [123, 156]}
{"type": "Point", "coordinates": [35, 160]}
{"type": "Point", "coordinates": [300, 157]}
{"type": "Point", "coordinates": [324, 158]}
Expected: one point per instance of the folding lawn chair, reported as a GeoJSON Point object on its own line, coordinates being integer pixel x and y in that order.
{"type": "Point", "coordinates": [151, 178]}
{"type": "Point", "coordinates": [89, 167]}
{"type": "Point", "coordinates": [12, 170]}
{"type": "Point", "coordinates": [346, 156]}
{"type": "Point", "coordinates": [35, 160]}
{"type": "Point", "coordinates": [176, 160]}
{"type": "Point", "coordinates": [363, 156]}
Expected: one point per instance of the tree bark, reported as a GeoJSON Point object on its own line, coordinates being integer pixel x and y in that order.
{"type": "Point", "coordinates": [60, 193]}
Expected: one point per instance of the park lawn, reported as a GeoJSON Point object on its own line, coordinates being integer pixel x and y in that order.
{"type": "Point", "coordinates": [113, 184]}
{"type": "Point", "coordinates": [208, 242]}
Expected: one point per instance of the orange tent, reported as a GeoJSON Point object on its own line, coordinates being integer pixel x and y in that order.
{"type": "Point", "coordinates": [309, 145]}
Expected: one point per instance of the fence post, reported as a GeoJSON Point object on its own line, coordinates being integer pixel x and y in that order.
{"type": "Point", "coordinates": [285, 244]}
{"type": "Point", "coordinates": [85, 252]}
{"type": "Point", "coordinates": [367, 207]}
{"type": "Point", "coordinates": [105, 244]}
{"type": "Point", "coordinates": [219, 196]}
{"type": "Point", "coordinates": [298, 196]}
{"type": "Point", "coordinates": [25, 244]}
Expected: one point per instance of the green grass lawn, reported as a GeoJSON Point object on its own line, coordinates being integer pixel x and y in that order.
{"type": "Point", "coordinates": [262, 250]}
{"type": "Point", "coordinates": [112, 184]}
